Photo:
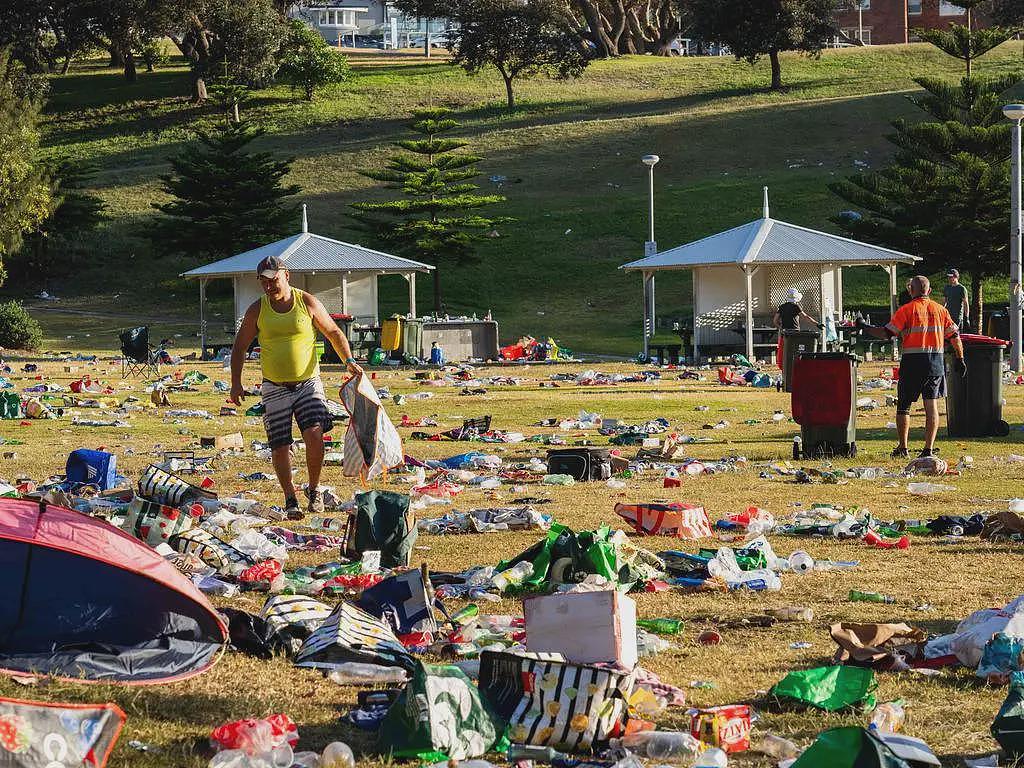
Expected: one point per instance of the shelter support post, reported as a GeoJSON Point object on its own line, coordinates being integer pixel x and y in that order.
{"type": "Point", "coordinates": [648, 299]}
{"type": "Point", "coordinates": [822, 309]}
{"type": "Point", "coordinates": [411, 277]}
{"type": "Point", "coordinates": [344, 293]}
{"type": "Point", "coordinates": [893, 302]}
{"type": "Point", "coordinates": [893, 296]}
{"type": "Point", "coordinates": [202, 318]}
{"type": "Point", "coordinates": [747, 279]}
{"type": "Point", "coordinates": [838, 278]}
{"type": "Point", "coordinates": [696, 290]}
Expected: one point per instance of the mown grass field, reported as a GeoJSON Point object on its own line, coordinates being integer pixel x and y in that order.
{"type": "Point", "coordinates": [570, 155]}
{"type": "Point", "coordinates": [951, 711]}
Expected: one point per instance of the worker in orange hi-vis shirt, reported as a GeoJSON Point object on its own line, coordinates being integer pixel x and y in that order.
{"type": "Point", "coordinates": [923, 326]}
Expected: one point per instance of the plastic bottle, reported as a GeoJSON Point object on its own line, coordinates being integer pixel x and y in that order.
{"type": "Point", "coordinates": [870, 597]}
{"type": "Point", "coordinates": [661, 745]}
{"type": "Point", "coordinates": [792, 613]}
{"type": "Point", "coordinates": [650, 645]}
{"type": "Point", "coordinates": [327, 523]}
{"type": "Point", "coordinates": [835, 565]}
{"type": "Point", "coordinates": [712, 758]}
{"type": "Point", "coordinates": [356, 673]}
{"type": "Point", "coordinates": [337, 754]}
{"type": "Point", "coordinates": [661, 626]}
{"type": "Point", "coordinates": [466, 615]}
{"type": "Point", "coordinates": [801, 563]}
{"type": "Point", "coordinates": [538, 754]}
{"type": "Point", "coordinates": [777, 747]}
{"type": "Point", "coordinates": [888, 717]}
{"type": "Point", "coordinates": [513, 576]}
{"type": "Point", "coordinates": [558, 480]}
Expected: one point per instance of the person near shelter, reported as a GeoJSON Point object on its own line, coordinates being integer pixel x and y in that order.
{"type": "Point", "coordinates": [286, 320]}
{"type": "Point", "coordinates": [923, 326]}
{"type": "Point", "coordinates": [787, 318]}
{"type": "Point", "coordinates": [955, 299]}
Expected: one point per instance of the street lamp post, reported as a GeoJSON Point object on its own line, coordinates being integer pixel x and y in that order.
{"type": "Point", "coordinates": [650, 248]}
{"type": "Point", "coordinates": [1015, 112]}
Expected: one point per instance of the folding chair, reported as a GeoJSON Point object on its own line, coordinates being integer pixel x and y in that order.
{"type": "Point", "coordinates": [138, 358]}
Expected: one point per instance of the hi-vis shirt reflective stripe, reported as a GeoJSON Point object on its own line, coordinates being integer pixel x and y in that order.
{"type": "Point", "coordinates": [922, 325]}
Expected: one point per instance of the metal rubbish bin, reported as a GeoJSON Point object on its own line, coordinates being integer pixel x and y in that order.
{"type": "Point", "coordinates": [795, 343]}
{"type": "Point", "coordinates": [974, 403]}
{"type": "Point", "coordinates": [824, 404]}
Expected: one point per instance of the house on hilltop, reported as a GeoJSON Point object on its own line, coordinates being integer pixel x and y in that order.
{"type": "Point", "coordinates": [370, 23]}
{"type": "Point", "coordinates": [885, 22]}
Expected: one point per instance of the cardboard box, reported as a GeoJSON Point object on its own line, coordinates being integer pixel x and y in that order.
{"type": "Point", "coordinates": [222, 442]}
{"type": "Point", "coordinates": [585, 627]}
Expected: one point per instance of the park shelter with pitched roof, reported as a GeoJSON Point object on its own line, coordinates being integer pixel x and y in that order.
{"type": "Point", "coordinates": [342, 275]}
{"type": "Point", "coordinates": [742, 275]}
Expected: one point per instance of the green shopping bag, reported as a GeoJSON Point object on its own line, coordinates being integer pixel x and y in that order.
{"type": "Point", "coordinates": [10, 405]}
{"type": "Point", "coordinates": [829, 688]}
{"type": "Point", "coordinates": [850, 747]}
{"type": "Point", "coordinates": [563, 553]}
{"type": "Point", "coordinates": [1008, 727]}
{"type": "Point", "coordinates": [440, 712]}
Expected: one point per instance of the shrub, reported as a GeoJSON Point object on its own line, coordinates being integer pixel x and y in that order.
{"type": "Point", "coordinates": [18, 329]}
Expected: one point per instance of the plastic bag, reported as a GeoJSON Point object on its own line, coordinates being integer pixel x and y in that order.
{"type": "Point", "coordinates": [829, 688]}
{"type": "Point", "coordinates": [255, 736]}
{"type": "Point", "coordinates": [439, 711]}
{"type": "Point", "coordinates": [1008, 727]}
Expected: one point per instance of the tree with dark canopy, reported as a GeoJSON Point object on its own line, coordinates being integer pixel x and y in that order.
{"type": "Point", "coordinates": [226, 199]}
{"type": "Point", "coordinates": [756, 28]}
{"type": "Point", "coordinates": [946, 194]}
{"type": "Point", "coordinates": [518, 39]}
{"type": "Point", "coordinates": [436, 220]}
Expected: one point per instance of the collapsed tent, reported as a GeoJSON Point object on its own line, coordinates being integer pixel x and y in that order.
{"type": "Point", "coordinates": [81, 599]}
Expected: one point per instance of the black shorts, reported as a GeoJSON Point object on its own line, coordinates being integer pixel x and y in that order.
{"type": "Point", "coordinates": [913, 385]}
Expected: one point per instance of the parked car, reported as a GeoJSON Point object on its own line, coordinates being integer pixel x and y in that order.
{"type": "Point", "coordinates": [369, 41]}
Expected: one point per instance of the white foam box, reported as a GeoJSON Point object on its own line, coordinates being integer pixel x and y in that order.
{"type": "Point", "coordinates": [586, 627]}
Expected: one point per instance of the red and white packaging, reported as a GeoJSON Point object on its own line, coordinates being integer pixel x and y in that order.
{"type": "Point", "coordinates": [727, 727]}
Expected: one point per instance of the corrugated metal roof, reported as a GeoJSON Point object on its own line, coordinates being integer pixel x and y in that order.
{"type": "Point", "coordinates": [307, 252]}
{"type": "Point", "coordinates": [771, 241]}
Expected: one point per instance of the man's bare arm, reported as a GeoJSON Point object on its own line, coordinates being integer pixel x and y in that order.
{"type": "Point", "coordinates": [246, 333]}
{"type": "Point", "coordinates": [326, 325]}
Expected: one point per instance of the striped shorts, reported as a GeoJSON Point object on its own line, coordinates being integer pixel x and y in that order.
{"type": "Point", "coordinates": [306, 402]}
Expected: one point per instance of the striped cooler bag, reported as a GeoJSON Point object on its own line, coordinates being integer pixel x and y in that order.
{"type": "Point", "coordinates": [161, 486]}
{"type": "Point", "coordinates": [550, 702]}
{"type": "Point", "coordinates": [683, 521]}
{"type": "Point", "coordinates": [213, 551]}
{"type": "Point", "coordinates": [351, 634]}
{"type": "Point", "coordinates": [154, 523]}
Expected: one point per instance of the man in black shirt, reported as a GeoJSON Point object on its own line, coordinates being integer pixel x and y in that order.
{"type": "Point", "coordinates": [787, 318]}
{"type": "Point", "coordinates": [956, 299]}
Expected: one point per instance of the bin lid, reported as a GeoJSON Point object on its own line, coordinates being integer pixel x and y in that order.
{"type": "Point", "coordinates": [978, 340]}
{"type": "Point", "coordinates": [340, 316]}
{"type": "Point", "coordinates": [827, 356]}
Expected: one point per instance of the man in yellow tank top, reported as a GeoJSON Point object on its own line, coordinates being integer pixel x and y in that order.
{"type": "Point", "coordinates": [286, 320]}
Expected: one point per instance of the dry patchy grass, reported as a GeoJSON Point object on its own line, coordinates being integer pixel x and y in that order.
{"type": "Point", "coordinates": [952, 712]}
